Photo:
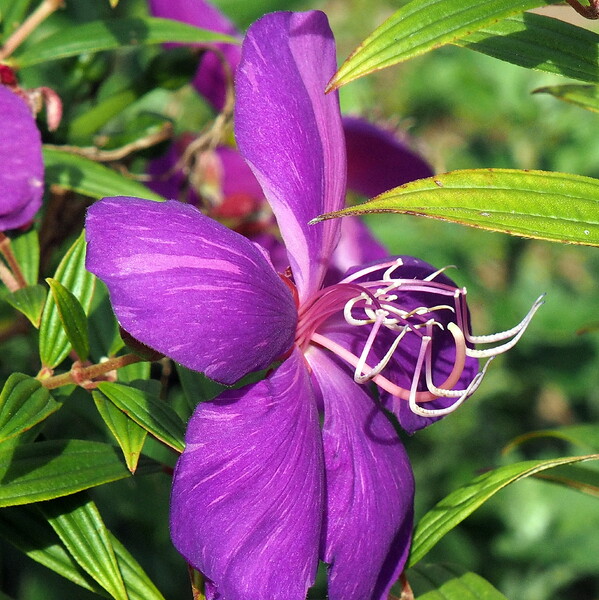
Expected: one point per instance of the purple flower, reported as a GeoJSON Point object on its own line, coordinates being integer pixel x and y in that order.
{"type": "Point", "coordinates": [22, 173]}
{"type": "Point", "coordinates": [263, 490]}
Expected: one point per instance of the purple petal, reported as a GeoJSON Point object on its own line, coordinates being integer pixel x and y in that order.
{"type": "Point", "coordinates": [22, 174]}
{"type": "Point", "coordinates": [377, 161]}
{"type": "Point", "coordinates": [189, 287]}
{"type": "Point", "coordinates": [290, 133]}
{"type": "Point", "coordinates": [211, 77]}
{"type": "Point", "coordinates": [370, 488]}
{"type": "Point", "coordinates": [246, 504]}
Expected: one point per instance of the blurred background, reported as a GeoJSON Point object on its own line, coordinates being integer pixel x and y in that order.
{"type": "Point", "coordinates": [460, 109]}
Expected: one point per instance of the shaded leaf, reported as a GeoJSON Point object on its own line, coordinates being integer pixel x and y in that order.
{"type": "Point", "coordinates": [27, 530]}
{"type": "Point", "coordinates": [579, 478]}
{"type": "Point", "coordinates": [45, 470]}
{"type": "Point", "coordinates": [77, 522]}
{"type": "Point", "coordinates": [537, 204]}
{"type": "Point", "coordinates": [129, 435]}
{"type": "Point", "coordinates": [197, 387]}
{"type": "Point", "coordinates": [90, 178]}
{"type": "Point", "coordinates": [29, 301]}
{"type": "Point", "coordinates": [541, 43]}
{"type": "Point", "coordinates": [23, 404]}
{"type": "Point", "coordinates": [455, 507]}
{"type": "Point", "coordinates": [155, 416]}
{"type": "Point", "coordinates": [113, 34]}
{"type": "Point", "coordinates": [72, 316]}
{"type": "Point", "coordinates": [450, 582]}
{"type": "Point", "coordinates": [584, 436]}
{"type": "Point", "coordinates": [139, 585]}
{"type": "Point", "coordinates": [71, 273]}
{"type": "Point", "coordinates": [421, 26]}
{"type": "Point", "coordinates": [585, 96]}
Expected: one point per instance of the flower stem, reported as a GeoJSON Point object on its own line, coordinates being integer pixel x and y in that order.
{"type": "Point", "coordinates": [88, 373]}
{"type": "Point", "coordinates": [588, 12]}
{"type": "Point", "coordinates": [42, 12]}
{"type": "Point", "coordinates": [7, 278]}
{"type": "Point", "coordinates": [13, 263]}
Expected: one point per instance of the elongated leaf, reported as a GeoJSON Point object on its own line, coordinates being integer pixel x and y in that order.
{"type": "Point", "coordinates": [89, 178]}
{"type": "Point", "coordinates": [27, 530]}
{"type": "Point", "coordinates": [29, 301]}
{"type": "Point", "coordinates": [26, 248]}
{"type": "Point", "coordinates": [420, 26]}
{"type": "Point", "coordinates": [23, 404]}
{"type": "Point", "coordinates": [449, 582]}
{"type": "Point", "coordinates": [585, 96]}
{"type": "Point", "coordinates": [584, 436]}
{"type": "Point", "coordinates": [453, 509]}
{"type": "Point", "coordinates": [72, 316]}
{"type": "Point", "coordinates": [139, 585]}
{"type": "Point", "coordinates": [541, 43]}
{"type": "Point", "coordinates": [537, 204]}
{"type": "Point", "coordinates": [156, 417]}
{"type": "Point", "coordinates": [71, 273]}
{"type": "Point", "coordinates": [579, 478]}
{"type": "Point", "coordinates": [45, 470]}
{"type": "Point", "coordinates": [114, 34]}
{"type": "Point", "coordinates": [77, 522]}
{"type": "Point", "coordinates": [129, 435]}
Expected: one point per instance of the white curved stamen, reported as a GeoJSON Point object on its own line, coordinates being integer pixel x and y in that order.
{"type": "Point", "coordinates": [440, 412]}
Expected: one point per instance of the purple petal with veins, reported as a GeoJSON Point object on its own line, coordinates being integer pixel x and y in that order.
{"type": "Point", "coordinates": [246, 504]}
{"type": "Point", "coordinates": [369, 488]}
{"type": "Point", "coordinates": [292, 138]}
{"type": "Point", "coordinates": [189, 287]}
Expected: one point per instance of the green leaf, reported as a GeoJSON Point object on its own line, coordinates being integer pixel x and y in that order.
{"type": "Point", "coordinates": [90, 178]}
{"type": "Point", "coordinates": [421, 26]}
{"type": "Point", "coordinates": [583, 436]}
{"type": "Point", "coordinates": [448, 582]}
{"type": "Point", "coordinates": [139, 585]}
{"type": "Point", "coordinates": [114, 34]}
{"type": "Point", "coordinates": [72, 316]}
{"type": "Point", "coordinates": [129, 435]}
{"type": "Point", "coordinates": [23, 404]}
{"type": "Point", "coordinates": [26, 248]}
{"type": "Point", "coordinates": [71, 273]}
{"type": "Point", "coordinates": [77, 522]}
{"type": "Point", "coordinates": [541, 43]}
{"type": "Point", "coordinates": [579, 478]}
{"type": "Point", "coordinates": [585, 96]}
{"type": "Point", "coordinates": [455, 507]}
{"type": "Point", "coordinates": [197, 387]}
{"type": "Point", "coordinates": [27, 530]}
{"type": "Point", "coordinates": [29, 301]}
{"type": "Point", "coordinates": [45, 470]}
{"type": "Point", "coordinates": [537, 204]}
{"type": "Point", "coordinates": [154, 415]}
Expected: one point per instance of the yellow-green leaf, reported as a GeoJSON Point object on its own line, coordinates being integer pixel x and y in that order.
{"type": "Point", "coordinates": [420, 26]}
{"type": "Point", "coordinates": [537, 204]}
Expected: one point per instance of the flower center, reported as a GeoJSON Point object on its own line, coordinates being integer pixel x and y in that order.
{"type": "Point", "coordinates": [412, 312]}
